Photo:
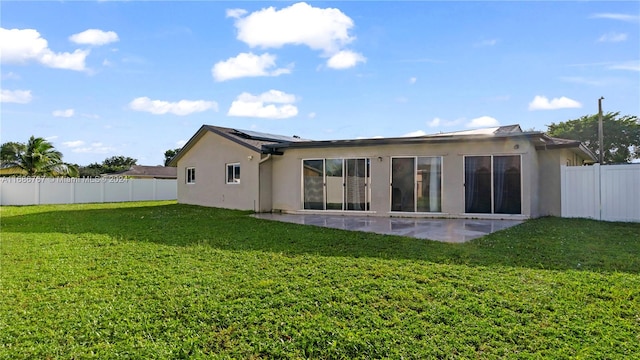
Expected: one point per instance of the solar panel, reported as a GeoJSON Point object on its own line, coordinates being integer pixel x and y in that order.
{"type": "Point", "coordinates": [268, 137]}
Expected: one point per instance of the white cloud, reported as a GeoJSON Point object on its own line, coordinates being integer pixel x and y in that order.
{"type": "Point", "coordinates": [483, 121]}
{"type": "Point", "coordinates": [63, 113]}
{"type": "Point", "coordinates": [629, 65]}
{"type": "Point", "coordinates": [543, 103]}
{"type": "Point", "coordinates": [613, 37]}
{"type": "Point", "coordinates": [312, 115]}
{"type": "Point", "coordinates": [247, 65]}
{"type": "Point", "coordinates": [79, 146]}
{"type": "Point", "coordinates": [614, 16]}
{"type": "Point", "coordinates": [15, 96]}
{"type": "Point", "coordinates": [263, 105]}
{"type": "Point", "coordinates": [21, 46]}
{"type": "Point", "coordinates": [412, 80]}
{"type": "Point", "coordinates": [93, 148]}
{"type": "Point", "coordinates": [181, 143]}
{"type": "Point", "coordinates": [440, 122]}
{"type": "Point", "coordinates": [236, 13]}
{"type": "Point", "coordinates": [73, 144]}
{"type": "Point", "coordinates": [94, 37]}
{"type": "Point", "coordinates": [484, 43]}
{"type": "Point", "coordinates": [10, 76]}
{"type": "Point", "coordinates": [298, 24]}
{"type": "Point", "coordinates": [345, 59]}
{"type": "Point", "coordinates": [180, 108]}
{"type": "Point", "coordinates": [321, 29]}
{"type": "Point", "coordinates": [415, 133]}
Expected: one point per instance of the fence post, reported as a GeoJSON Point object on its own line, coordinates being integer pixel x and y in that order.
{"type": "Point", "coordinates": [598, 181]}
{"type": "Point", "coordinates": [37, 193]}
{"type": "Point", "coordinates": [155, 189]}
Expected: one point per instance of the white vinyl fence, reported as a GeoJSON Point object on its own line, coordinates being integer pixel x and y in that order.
{"type": "Point", "coordinates": [41, 190]}
{"type": "Point", "coordinates": [607, 192]}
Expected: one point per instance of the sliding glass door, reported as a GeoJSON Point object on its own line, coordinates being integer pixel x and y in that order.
{"type": "Point", "coordinates": [493, 184]}
{"type": "Point", "coordinates": [336, 184]}
{"type": "Point", "coordinates": [416, 184]}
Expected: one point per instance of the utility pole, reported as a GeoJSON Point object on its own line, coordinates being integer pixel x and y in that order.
{"type": "Point", "coordinates": [600, 135]}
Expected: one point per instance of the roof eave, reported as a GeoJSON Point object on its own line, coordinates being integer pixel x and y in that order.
{"type": "Point", "coordinates": [199, 134]}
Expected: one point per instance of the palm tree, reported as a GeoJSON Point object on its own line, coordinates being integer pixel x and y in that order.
{"type": "Point", "coordinates": [37, 158]}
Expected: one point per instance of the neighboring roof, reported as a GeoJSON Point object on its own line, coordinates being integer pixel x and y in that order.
{"type": "Point", "coordinates": [164, 172]}
{"type": "Point", "coordinates": [12, 170]}
{"type": "Point", "coordinates": [253, 140]}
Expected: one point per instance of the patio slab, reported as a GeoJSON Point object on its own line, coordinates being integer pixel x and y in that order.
{"type": "Point", "coordinates": [445, 230]}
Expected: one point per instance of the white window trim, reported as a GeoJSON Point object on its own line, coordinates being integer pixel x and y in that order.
{"type": "Point", "coordinates": [190, 179]}
{"type": "Point", "coordinates": [226, 175]}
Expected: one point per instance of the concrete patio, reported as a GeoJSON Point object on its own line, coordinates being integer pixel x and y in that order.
{"type": "Point", "coordinates": [445, 230]}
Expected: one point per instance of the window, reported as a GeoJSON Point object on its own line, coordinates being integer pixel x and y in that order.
{"type": "Point", "coordinates": [233, 173]}
{"type": "Point", "coordinates": [190, 177]}
{"type": "Point", "coordinates": [493, 184]}
{"type": "Point", "coordinates": [416, 184]}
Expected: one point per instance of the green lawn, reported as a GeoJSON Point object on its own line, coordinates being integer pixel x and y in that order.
{"type": "Point", "coordinates": [162, 280]}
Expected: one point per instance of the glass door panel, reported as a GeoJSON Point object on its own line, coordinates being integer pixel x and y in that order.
{"type": "Point", "coordinates": [402, 184]}
{"type": "Point", "coordinates": [335, 183]}
{"type": "Point", "coordinates": [507, 185]}
{"type": "Point", "coordinates": [477, 184]}
{"type": "Point", "coordinates": [356, 185]}
{"type": "Point", "coordinates": [428, 178]}
{"type": "Point", "coordinates": [313, 178]}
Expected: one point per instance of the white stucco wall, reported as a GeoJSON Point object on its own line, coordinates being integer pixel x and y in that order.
{"type": "Point", "coordinates": [209, 156]}
{"type": "Point", "coordinates": [287, 173]}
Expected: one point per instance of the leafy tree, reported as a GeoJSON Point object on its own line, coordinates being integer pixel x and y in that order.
{"type": "Point", "coordinates": [117, 164]}
{"type": "Point", "coordinates": [10, 150]}
{"type": "Point", "coordinates": [169, 154]}
{"type": "Point", "coordinates": [91, 170]}
{"type": "Point", "coordinates": [621, 135]}
{"type": "Point", "coordinates": [36, 158]}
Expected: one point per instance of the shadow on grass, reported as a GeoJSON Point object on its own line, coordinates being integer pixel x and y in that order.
{"type": "Point", "coordinates": [546, 243]}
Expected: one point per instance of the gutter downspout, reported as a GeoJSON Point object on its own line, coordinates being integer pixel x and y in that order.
{"type": "Point", "coordinates": [259, 183]}
{"type": "Point", "coordinates": [265, 159]}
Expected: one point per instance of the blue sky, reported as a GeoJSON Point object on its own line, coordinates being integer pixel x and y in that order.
{"type": "Point", "coordinates": [108, 78]}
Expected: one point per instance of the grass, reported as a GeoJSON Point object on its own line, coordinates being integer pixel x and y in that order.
{"type": "Point", "coordinates": [162, 280]}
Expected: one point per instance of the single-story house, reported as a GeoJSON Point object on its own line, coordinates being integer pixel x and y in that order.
{"type": "Point", "coordinates": [146, 172]}
{"type": "Point", "coordinates": [500, 172]}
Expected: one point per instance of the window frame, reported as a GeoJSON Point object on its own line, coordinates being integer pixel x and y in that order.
{"type": "Point", "coordinates": [233, 178]}
{"type": "Point", "coordinates": [190, 175]}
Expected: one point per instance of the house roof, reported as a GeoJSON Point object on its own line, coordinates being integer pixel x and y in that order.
{"type": "Point", "coordinates": [548, 142]}
{"type": "Point", "coordinates": [479, 134]}
{"type": "Point", "coordinates": [277, 144]}
{"type": "Point", "coordinates": [165, 172]}
{"type": "Point", "coordinates": [250, 139]}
